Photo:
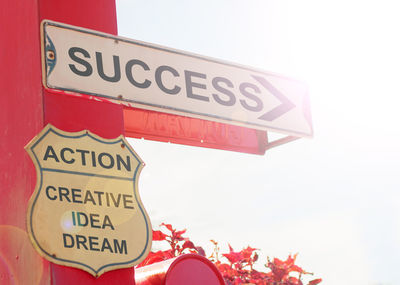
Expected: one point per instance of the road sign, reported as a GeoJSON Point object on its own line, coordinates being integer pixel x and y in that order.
{"type": "Point", "coordinates": [162, 79]}
{"type": "Point", "coordinates": [86, 211]}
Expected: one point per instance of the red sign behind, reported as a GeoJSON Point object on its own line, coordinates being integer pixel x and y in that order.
{"type": "Point", "coordinates": [190, 131]}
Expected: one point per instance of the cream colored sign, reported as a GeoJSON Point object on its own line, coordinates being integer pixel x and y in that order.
{"type": "Point", "coordinates": [86, 211]}
{"type": "Point", "coordinates": [153, 77]}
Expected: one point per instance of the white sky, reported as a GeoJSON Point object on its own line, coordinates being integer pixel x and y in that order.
{"type": "Point", "coordinates": [335, 198]}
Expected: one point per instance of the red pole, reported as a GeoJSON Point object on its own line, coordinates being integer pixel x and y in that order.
{"type": "Point", "coordinates": [21, 118]}
{"type": "Point", "coordinates": [26, 107]}
{"type": "Point", "coordinates": [74, 113]}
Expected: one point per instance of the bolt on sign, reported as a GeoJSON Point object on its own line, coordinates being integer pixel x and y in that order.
{"type": "Point", "coordinates": [157, 78]}
{"type": "Point", "coordinates": [86, 211]}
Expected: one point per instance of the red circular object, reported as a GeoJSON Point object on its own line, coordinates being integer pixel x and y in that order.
{"type": "Point", "coordinates": [186, 269]}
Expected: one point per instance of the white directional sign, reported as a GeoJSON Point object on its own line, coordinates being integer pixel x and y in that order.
{"type": "Point", "coordinates": [157, 78]}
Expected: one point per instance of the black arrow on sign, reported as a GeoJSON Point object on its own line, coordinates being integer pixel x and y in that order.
{"type": "Point", "coordinates": [278, 111]}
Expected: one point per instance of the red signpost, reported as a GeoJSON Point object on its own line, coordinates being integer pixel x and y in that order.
{"type": "Point", "coordinates": [26, 107]}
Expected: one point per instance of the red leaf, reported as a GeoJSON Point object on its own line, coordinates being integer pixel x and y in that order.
{"type": "Point", "coordinates": [295, 268]}
{"type": "Point", "coordinates": [168, 226]}
{"type": "Point", "coordinates": [158, 235]}
{"type": "Point", "coordinates": [226, 270]}
{"type": "Point", "coordinates": [294, 281]}
{"type": "Point", "coordinates": [200, 251]}
{"type": "Point", "coordinates": [178, 235]}
{"type": "Point", "coordinates": [278, 262]}
{"type": "Point", "coordinates": [233, 256]}
{"type": "Point", "coordinates": [154, 257]}
{"type": "Point", "coordinates": [247, 252]}
{"type": "Point", "coordinates": [214, 242]}
{"type": "Point", "coordinates": [188, 244]}
{"type": "Point", "coordinates": [315, 281]}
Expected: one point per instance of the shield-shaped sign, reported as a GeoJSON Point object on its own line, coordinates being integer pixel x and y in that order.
{"type": "Point", "coordinates": [86, 211]}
